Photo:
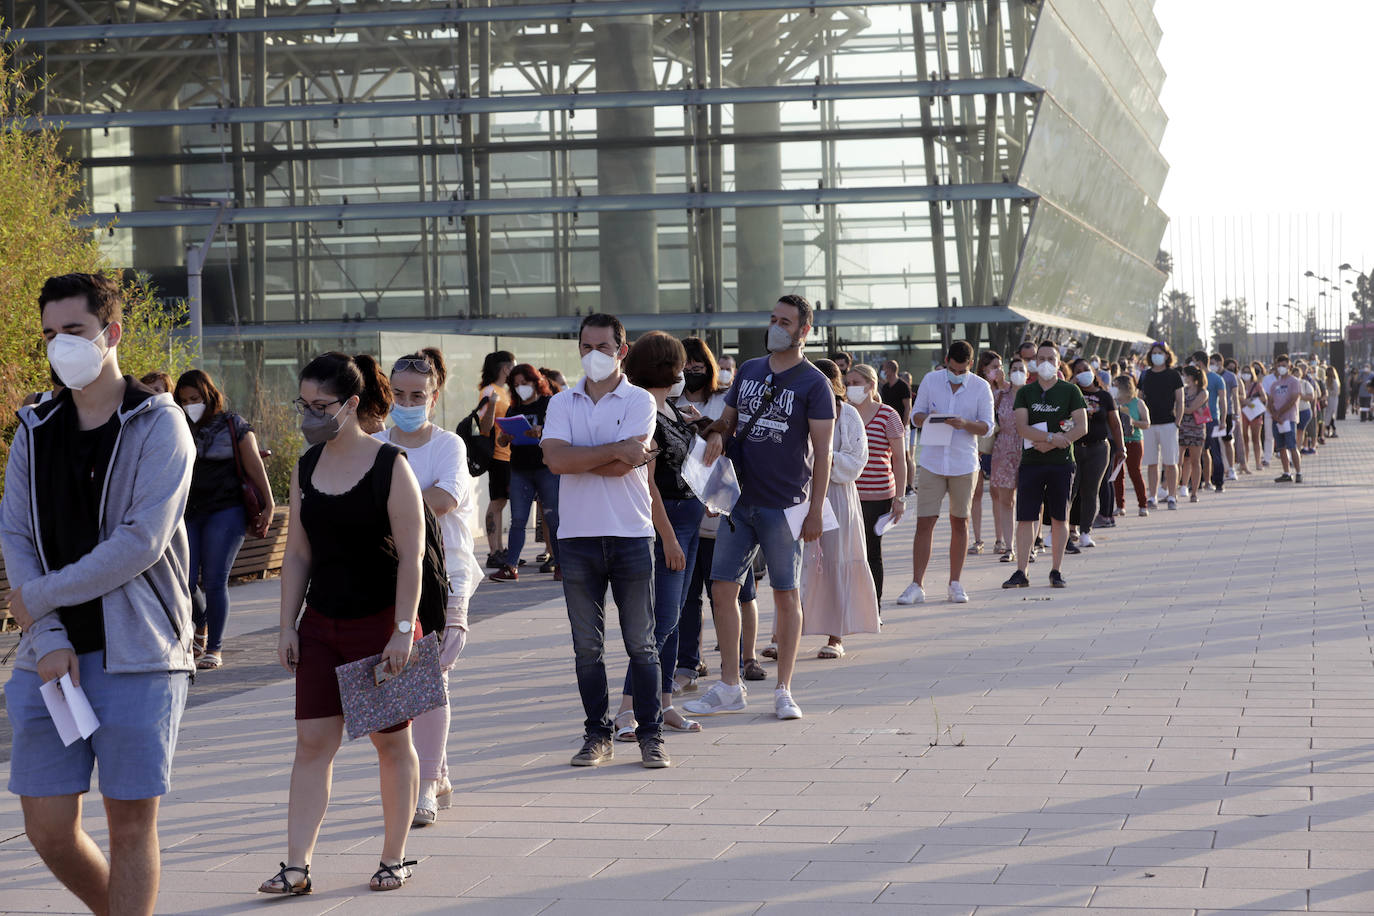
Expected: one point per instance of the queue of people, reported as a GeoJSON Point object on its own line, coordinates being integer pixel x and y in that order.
{"type": "Point", "coordinates": [123, 502]}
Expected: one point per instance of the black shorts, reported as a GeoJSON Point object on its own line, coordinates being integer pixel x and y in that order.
{"type": "Point", "coordinates": [1047, 485]}
{"type": "Point", "coordinates": [985, 464]}
{"type": "Point", "coordinates": [498, 480]}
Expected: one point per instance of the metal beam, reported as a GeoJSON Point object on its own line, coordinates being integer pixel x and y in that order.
{"type": "Point", "coordinates": [614, 203]}
{"type": "Point", "coordinates": [410, 108]}
{"type": "Point", "coordinates": [432, 18]}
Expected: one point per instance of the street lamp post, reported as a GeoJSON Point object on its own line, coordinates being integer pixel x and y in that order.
{"type": "Point", "coordinates": [196, 256]}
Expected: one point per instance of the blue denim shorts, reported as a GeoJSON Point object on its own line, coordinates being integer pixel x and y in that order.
{"type": "Point", "coordinates": [752, 528]}
{"type": "Point", "coordinates": [139, 715]}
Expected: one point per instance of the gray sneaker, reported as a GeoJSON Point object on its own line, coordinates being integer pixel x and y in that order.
{"type": "Point", "coordinates": [720, 698]}
{"type": "Point", "coordinates": [594, 751]}
{"type": "Point", "coordinates": [653, 754]}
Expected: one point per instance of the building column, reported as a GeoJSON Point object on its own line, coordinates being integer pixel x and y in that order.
{"type": "Point", "coordinates": [758, 230]}
{"type": "Point", "coordinates": [627, 242]}
{"type": "Point", "coordinates": [162, 248]}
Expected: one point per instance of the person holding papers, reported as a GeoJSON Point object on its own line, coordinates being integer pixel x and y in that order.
{"type": "Point", "coordinates": [520, 430]}
{"type": "Point", "coordinates": [96, 553]}
{"type": "Point", "coordinates": [953, 408]}
{"type": "Point", "coordinates": [1285, 397]}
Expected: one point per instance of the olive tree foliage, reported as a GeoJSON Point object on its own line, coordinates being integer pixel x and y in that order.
{"type": "Point", "coordinates": [40, 200]}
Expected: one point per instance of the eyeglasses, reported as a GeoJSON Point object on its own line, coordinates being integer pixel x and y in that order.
{"type": "Point", "coordinates": [413, 364]}
{"type": "Point", "coordinates": [317, 411]}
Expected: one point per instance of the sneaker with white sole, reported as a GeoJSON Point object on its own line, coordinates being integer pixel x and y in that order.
{"type": "Point", "coordinates": [957, 594]}
{"type": "Point", "coordinates": [784, 705]}
{"type": "Point", "coordinates": [1231, 474]}
{"type": "Point", "coordinates": [722, 697]}
{"type": "Point", "coordinates": [1182, 491]}
{"type": "Point", "coordinates": [1086, 540]}
{"type": "Point", "coordinates": [912, 594]}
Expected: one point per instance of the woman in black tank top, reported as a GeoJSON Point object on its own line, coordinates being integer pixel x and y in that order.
{"type": "Point", "coordinates": [358, 601]}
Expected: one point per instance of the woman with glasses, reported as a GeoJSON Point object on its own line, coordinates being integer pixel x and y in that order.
{"type": "Point", "coordinates": [439, 460]}
{"type": "Point", "coordinates": [530, 394]}
{"type": "Point", "coordinates": [359, 599]}
{"type": "Point", "coordinates": [226, 452]}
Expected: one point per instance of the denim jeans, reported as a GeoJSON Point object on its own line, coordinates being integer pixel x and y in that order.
{"type": "Point", "coordinates": [752, 529]}
{"type": "Point", "coordinates": [524, 485]}
{"type": "Point", "coordinates": [627, 566]}
{"type": "Point", "coordinates": [215, 539]}
{"type": "Point", "coordinates": [670, 585]}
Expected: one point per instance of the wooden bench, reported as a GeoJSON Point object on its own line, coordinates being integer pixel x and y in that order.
{"type": "Point", "coordinates": [257, 557]}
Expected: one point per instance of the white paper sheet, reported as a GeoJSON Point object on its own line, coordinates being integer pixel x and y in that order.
{"type": "Point", "coordinates": [796, 517]}
{"type": "Point", "coordinates": [1218, 431]}
{"type": "Point", "coordinates": [884, 524]}
{"type": "Point", "coordinates": [1116, 472]}
{"type": "Point", "coordinates": [935, 431]}
{"type": "Point", "coordinates": [1284, 427]}
{"type": "Point", "coordinates": [1043, 427]}
{"type": "Point", "coordinates": [716, 486]}
{"type": "Point", "coordinates": [70, 710]}
{"type": "Point", "coordinates": [1252, 410]}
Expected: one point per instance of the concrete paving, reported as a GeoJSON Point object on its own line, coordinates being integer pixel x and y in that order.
{"type": "Point", "coordinates": [1186, 729]}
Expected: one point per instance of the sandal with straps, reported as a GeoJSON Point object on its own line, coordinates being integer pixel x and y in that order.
{"type": "Point", "coordinates": [278, 883]}
{"type": "Point", "coordinates": [625, 732]}
{"type": "Point", "coordinates": [198, 640]}
{"type": "Point", "coordinates": [400, 873]}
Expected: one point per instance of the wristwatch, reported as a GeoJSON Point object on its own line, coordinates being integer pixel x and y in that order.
{"type": "Point", "coordinates": [404, 626]}
{"type": "Point", "coordinates": [900, 499]}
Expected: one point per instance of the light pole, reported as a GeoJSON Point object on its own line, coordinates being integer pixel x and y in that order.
{"type": "Point", "coordinates": [196, 255]}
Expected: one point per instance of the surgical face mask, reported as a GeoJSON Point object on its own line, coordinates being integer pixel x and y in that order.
{"type": "Point", "coordinates": [1097, 364]}
{"type": "Point", "coordinates": [1282, 370]}
{"type": "Point", "coordinates": [676, 388]}
{"type": "Point", "coordinates": [1084, 378]}
{"type": "Point", "coordinates": [955, 378]}
{"type": "Point", "coordinates": [76, 359]}
{"type": "Point", "coordinates": [1247, 376]}
{"type": "Point", "coordinates": [856, 394]}
{"type": "Point", "coordinates": [695, 381]}
{"type": "Point", "coordinates": [882, 375]}
{"type": "Point", "coordinates": [524, 392]}
{"type": "Point", "coordinates": [1046, 370]}
{"type": "Point", "coordinates": [779, 340]}
{"type": "Point", "coordinates": [1018, 377]}
{"type": "Point", "coordinates": [598, 366]}
{"type": "Point", "coordinates": [1216, 367]}
{"type": "Point", "coordinates": [1157, 358]}
{"type": "Point", "coordinates": [194, 411]}
{"type": "Point", "coordinates": [1115, 392]}
{"type": "Point", "coordinates": [409, 419]}
{"type": "Point", "coordinates": [321, 429]}
{"type": "Point", "coordinates": [725, 377]}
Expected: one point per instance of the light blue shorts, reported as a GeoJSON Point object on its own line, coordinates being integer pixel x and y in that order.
{"type": "Point", "coordinates": [139, 717]}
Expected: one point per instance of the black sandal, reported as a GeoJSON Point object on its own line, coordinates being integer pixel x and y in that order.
{"type": "Point", "coordinates": [283, 886]}
{"type": "Point", "coordinates": [392, 872]}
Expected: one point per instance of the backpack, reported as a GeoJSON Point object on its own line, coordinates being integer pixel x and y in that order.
{"type": "Point", "coordinates": [481, 449]}
{"type": "Point", "coordinates": [434, 584]}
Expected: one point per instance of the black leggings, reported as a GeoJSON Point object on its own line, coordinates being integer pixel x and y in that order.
{"type": "Point", "coordinates": [1092, 465]}
{"type": "Point", "coordinates": [874, 509]}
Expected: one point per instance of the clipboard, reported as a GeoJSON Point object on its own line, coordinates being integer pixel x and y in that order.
{"type": "Point", "coordinates": [516, 427]}
{"type": "Point", "coordinates": [935, 431]}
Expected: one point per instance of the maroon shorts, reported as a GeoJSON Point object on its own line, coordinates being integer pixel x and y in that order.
{"type": "Point", "coordinates": [327, 643]}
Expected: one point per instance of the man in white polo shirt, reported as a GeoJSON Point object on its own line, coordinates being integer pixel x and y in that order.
{"type": "Point", "coordinates": [961, 400]}
{"type": "Point", "coordinates": [597, 438]}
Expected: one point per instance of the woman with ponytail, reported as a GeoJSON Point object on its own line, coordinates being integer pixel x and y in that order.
{"type": "Point", "coordinates": [439, 461]}
{"type": "Point", "coordinates": [359, 599]}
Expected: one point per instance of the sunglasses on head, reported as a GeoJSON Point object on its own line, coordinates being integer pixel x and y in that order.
{"type": "Point", "coordinates": [413, 364]}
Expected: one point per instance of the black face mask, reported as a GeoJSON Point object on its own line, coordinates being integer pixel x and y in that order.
{"type": "Point", "coordinates": [695, 381]}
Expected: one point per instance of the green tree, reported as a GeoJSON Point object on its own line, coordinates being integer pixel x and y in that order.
{"type": "Point", "coordinates": [40, 193]}
{"type": "Point", "coordinates": [1231, 323]}
{"type": "Point", "coordinates": [1178, 323]}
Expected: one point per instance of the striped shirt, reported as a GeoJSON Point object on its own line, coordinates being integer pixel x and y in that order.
{"type": "Point", "coordinates": [876, 481]}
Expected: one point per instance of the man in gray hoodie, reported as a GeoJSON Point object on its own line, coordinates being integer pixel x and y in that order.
{"type": "Point", "coordinates": [96, 554]}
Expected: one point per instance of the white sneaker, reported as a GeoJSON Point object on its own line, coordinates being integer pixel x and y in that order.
{"type": "Point", "coordinates": [720, 698]}
{"type": "Point", "coordinates": [957, 593]}
{"type": "Point", "coordinates": [1183, 491]}
{"type": "Point", "coordinates": [912, 594]}
{"type": "Point", "coordinates": [1231, 474]}
{"type": "Point", "coordinates": [784, 705]}
{"type": "Point", "coordinates": [1086, 540]}
{"type": "Point", "coordinates": [1161, 494]}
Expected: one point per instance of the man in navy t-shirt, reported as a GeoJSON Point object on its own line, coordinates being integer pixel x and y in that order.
{"type": "Point", "coordinates": [778, 420]}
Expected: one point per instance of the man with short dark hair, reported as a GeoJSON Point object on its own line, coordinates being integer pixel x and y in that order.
{"type": "Point", "coordinates": [843, 360]}
{"type": "Point", "coordinates": [778, 421]}
{"type": "Point", "coordinates": [962, 401]}
{"type": "Point", "coordinates": [96, 553]}
{"type": "Point", "coordinates": [597, 438]}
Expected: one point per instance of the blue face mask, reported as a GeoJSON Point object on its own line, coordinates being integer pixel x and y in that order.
{"type": "Point", "coordinates": [955, 378]}
{"type": "Point", "coordinates": [409, 419]}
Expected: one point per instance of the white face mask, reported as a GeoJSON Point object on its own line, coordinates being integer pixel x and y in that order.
{"type": "Point", "coordinates": [882, 375]}
{"type": "Point", "coordinates": [779, 340]}
{"type": "Point", "coordinates": [1085, 378]}
{"type": "Point", "coordinates": [1157, 358]}
{"type": "Point", "coordinates": [1115, 392]}
{"type": "Point", "coordinates": [1282, 370]}
{"type": "Point", "coordinates": [856, 394]}
{"type": "Point", "coordinates": [598, 366]}
{"type": "Point", "coordinates": [1247, 376]}
{"type": "Point", "coordinates": [1018, 377]}
{"type": "Point", "coordinates": [1046, 370]}
{"type": "Point", "coordinates": [524, 392]}
{"type": "Point", "coordinates": [194, 411]}
{"type": "Point", "coordinates": [955, 378]}
{"type": "Point", "coordinates": [77, 360]}
{"type": "Point", "coordinates": [1096, 364]}
{"type": "Point", "coordinates": [725, 377]}
{"type": "Point", "coordinates": [676, 388]}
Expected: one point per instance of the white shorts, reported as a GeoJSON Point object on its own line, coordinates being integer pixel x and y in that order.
{"type": "Point", "coordinates": [1160, 442]}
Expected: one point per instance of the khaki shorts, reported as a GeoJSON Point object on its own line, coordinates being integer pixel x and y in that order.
{"type": "Point", "coordinates": [931, 489]}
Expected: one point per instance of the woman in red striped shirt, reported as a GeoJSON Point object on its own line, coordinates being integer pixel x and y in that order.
{"type": "Point", "coordinates": [883, 480]}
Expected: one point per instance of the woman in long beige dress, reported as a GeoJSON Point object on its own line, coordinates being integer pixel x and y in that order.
{"type": "Point", "coordinates": [837, 591]}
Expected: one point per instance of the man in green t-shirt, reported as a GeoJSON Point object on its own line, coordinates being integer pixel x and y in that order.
{"type": "Point", "coordinates": [1050, 415]}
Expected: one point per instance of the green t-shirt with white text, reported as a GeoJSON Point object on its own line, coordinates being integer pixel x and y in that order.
{"type": "Point", "coordinates": [1054, 408]}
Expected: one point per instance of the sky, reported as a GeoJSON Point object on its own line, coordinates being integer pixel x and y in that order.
{"type": "Point", "coordinates": [1269, 152]}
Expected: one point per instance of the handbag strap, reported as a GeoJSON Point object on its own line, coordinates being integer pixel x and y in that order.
{"type": "Point", "coordinates": [235, 441]}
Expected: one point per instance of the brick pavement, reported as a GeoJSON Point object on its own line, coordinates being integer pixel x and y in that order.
{"type": "Point", "coordinates": [1187, 729]}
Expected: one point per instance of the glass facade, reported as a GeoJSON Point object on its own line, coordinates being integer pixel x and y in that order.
{"type": "Point", "coordinates": [920, 170]}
